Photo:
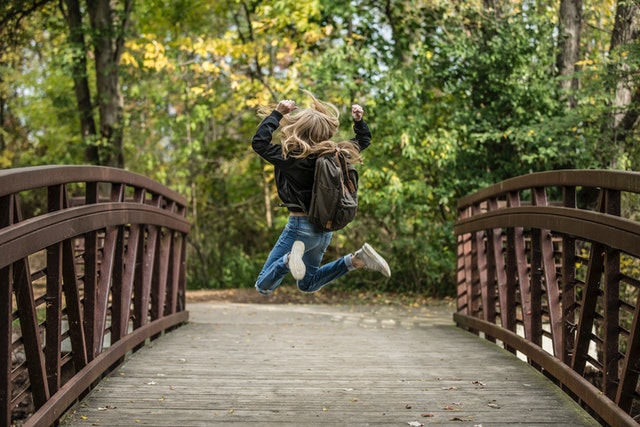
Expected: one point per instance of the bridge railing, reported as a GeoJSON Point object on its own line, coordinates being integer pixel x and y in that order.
{"type": "Point", "coordinates": [549, 267]}
{"type": "Point", "coordinates": [92, 265]}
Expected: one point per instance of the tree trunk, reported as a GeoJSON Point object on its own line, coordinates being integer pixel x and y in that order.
{"type": "Point", "coordinates": [493, 7]}
{"type": "Point", "coordinates": [108, 41]}
{"type": "Point", "coordinates": [81, 81]}
{"type": "Point", "coordinates": [624, 119]}
{"type": "Point", "coordinates": [2, 107]}
{"type": "Point", "coordinates": [3, 144]}
{"type": "Point", "coordinates": [569, 22]}
{"type": "Point", "coordinates": [625, 31]}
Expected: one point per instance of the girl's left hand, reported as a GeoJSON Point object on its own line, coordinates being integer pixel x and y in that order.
{"type": "Point", "coordinates": [286, 106]}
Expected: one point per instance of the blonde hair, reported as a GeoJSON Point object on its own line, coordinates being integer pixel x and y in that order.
{"type": "Point", "coordinates": [308, 132]}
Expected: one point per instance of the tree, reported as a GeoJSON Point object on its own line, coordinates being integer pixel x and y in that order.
{"type": "Point", "coordinates": [458, 94]}
{"type": "Point", "coordinates": [202, 71]}
{"type": "Point", "coordinates": [569, 27]}
{"type": "Point", "coordinates": [109, 28]}
{"type": "Point", "coordinates": [13, 33]}
{"type": "Point", "coordinates": [80, 77]}
{"type": "Point", "coordinates": [108, 22]}
{"type": "Point", "coordinates": [626, 101]}
{"type": "Point", "coordinates": [35, 111]}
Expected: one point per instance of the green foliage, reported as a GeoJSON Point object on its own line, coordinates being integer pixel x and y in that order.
{"type": "Point", "coordinates": [38, 105]}
{"type": "Point", "coordinates": [458, 97]}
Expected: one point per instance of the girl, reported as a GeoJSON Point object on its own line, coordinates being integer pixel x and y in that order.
{"type": "Point", "coordinates": [306, 134]}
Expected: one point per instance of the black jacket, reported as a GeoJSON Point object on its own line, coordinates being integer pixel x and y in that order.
{"type": "Point", "coordinates": [294, 177]}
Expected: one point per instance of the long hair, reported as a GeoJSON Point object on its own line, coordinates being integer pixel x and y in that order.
{"type": "Point", "coordinates": [309, 132]}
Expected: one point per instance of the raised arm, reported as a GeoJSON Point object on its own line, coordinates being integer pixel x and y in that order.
{"type": "Point", "coordinates": [363, 134]}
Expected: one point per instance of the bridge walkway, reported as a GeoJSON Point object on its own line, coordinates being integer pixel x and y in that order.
{"type": "Point", "coordinates": [307, 365]}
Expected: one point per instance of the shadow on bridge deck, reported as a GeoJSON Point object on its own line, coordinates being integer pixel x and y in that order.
{"type": "Point", "coordinates": [302, 365]}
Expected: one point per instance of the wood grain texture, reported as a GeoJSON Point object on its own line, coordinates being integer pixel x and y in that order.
{"type": "Point", "coordinates": [306, 365]}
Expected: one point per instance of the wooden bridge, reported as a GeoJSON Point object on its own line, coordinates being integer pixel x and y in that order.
{"type": "Point", "coordinates": [548, 270]}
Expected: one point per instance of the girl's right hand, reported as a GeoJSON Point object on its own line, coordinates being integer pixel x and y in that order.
{"type": "Point", "coordinates": [357, 112]}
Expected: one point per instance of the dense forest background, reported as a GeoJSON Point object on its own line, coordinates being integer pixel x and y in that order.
{"type": "Point", "coordinates": [459, 94]}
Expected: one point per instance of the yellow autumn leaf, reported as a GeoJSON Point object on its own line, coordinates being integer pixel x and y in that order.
{"type": "Point", "coordinates": [197, 90]}
{"type": "Point", "coordinates": [153, 49]}
{"type": "Point", "coordinates": [585, 62]}
{"type": "Point", "coordinates": [128, 59]}
{"type": "Point", "coordinates": [209, 67]}
{"type": "Point", "coordinates": [311, 37]}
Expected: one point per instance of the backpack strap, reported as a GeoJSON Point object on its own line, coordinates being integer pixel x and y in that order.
{"type": "Point", "coordinates": [344, 166]}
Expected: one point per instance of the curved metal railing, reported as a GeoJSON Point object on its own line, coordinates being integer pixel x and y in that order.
{"type": "Point", "coordinates": [549, 266]}
{"type": "Point", "coordinates": [92, 264]}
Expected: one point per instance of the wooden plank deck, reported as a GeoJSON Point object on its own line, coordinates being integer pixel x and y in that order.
{"type": "Point", "coordinates": [307, 365]}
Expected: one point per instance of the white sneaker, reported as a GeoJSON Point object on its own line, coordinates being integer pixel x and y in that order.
{"type": "Point", "coordinates": [372, 260]}
{"type": "Point", "coordinates": [296, 265]}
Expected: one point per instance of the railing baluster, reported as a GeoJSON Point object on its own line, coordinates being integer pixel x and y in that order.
{"type": "Point", "coordinates": [181, 275]}
{"type": "Point", "coordinates": [461, 300]}
{"type": "Point", "coordinates": [135, 244]}
{"type": "Point", "coordinates": [520, 259]}
{"type": "Point", "coordinates": [512, 281]}
{"type": "Point", "coordinates": [610, 356]}
{"type": "Point", "coordinates": [611, 287]}
{"type": "Point", "coordinates": [54, 297]}
{"type": "Point", "coordinates": [593, 328]}
{"type": "Point", "coordinates": [116, 287]}
{"type": "Point", "coordinates": [506, 299]}
{"type": "Point", "coordinates": [6, 347]}
{"type": "Point", "coordinates": [173, 274]}
{"type": "Point", "coordinates": [73, 304]}
{"type": "Point", "coordinates": [29, 324]}
{"type": "Point", "coordinates": [588, 307]}
{"type": "Point", "coordinates": [91, 289]}
{"type": "Point", "coordinates": [481, 281]}
{"type": "Point", "coordinates": [143, 294]}
{"type": "Point", "coordinates": [568, 283]}
{"type": "Point", "coordinates": [159, 294]}
{"type": "Point", "coordinates": [6, 320]}
{"type": "Point", "coordinates": [535, 289]}
{"type": "Point", "coordinates": [54, 315]}
{"type": "Point", "coordinates": [90, 277]}
{"type": "Point", "coordinates": [468, 273]}
{"type": "Point", "coordinates": [121, 317]}
{"type": "Point", "coordinates": [589, 300]}
{"type": "Point", "coordinates": [104, 286]}
{"type": "Point", "coordinates": [171, 283]}
{"type": "Point", "coordinates": [550, 278]}
{"type": "Point", "coordinates": [631, 366]}
{"type": "Point", "coordinates": [30, 332]}
{"type": "Point", "coordinates": [464, 268]}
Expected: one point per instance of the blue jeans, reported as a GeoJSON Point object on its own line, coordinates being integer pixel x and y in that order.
{"type": "Point", "coordinates": [315, 242]}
